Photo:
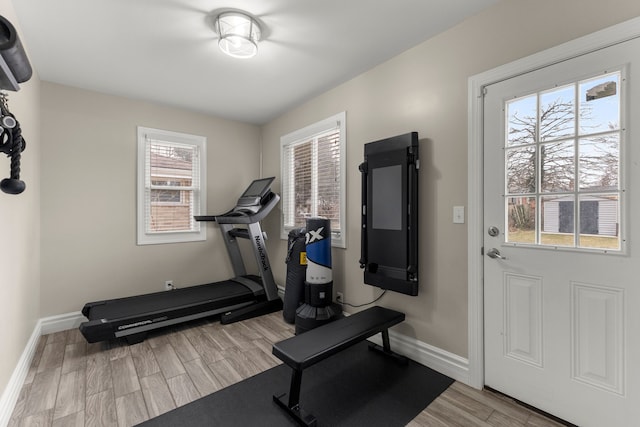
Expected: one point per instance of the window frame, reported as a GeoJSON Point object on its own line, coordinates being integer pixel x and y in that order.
{"type": "Point", "coordinates": [337, 121]}
{"type": "Point", "coordinates": [577, 193]}
{"type": "Point", "coordinates": [199, 195]}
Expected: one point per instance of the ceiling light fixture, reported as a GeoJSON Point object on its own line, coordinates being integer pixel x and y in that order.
{"type": "Point", "coordinates": [239, 34]}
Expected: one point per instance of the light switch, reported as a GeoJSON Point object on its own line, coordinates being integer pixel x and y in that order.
{"type": "Point", "coordinates": [458, 214]}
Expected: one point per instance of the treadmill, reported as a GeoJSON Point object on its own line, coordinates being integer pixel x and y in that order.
{"type": "Point", "coordinates": [241, 297]}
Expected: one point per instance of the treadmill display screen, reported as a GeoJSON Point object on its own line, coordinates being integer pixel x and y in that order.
{"type": "Point", "coordinates": [258, 188]}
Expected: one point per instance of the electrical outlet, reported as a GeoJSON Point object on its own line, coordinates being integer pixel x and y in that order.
{"type": "Point", "coordinates": [168, 285]}
{"type": "Point", "coordinates": [339, 297]}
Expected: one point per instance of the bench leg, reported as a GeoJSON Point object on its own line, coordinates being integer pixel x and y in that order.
{"type": "Point", "coordinates": [292, 405]}
{"type": "Point", "coordinates": [385, 340]}
{"type": "Point", "coordinates": [386, 349]}
{"type": "Point", "coordinates": [294, 389]}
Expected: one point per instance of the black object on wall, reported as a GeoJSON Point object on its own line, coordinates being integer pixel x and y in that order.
{"type": "Point", "coordinates": [14, 64]}
{"type": "Point", "coordinates": [14, 68]}
{"type": "Point", "coordinates": [389, 239]}
{"type": "Point", "coordinates": [12, 144]}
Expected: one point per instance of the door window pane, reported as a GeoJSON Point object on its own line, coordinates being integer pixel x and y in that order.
{"type": "Point", "coordinates": [599, 162]}
{"type": "Point", "coordinates": [558, 218]}
{"type": "Point", "coordinates": [599, 221]}
{"type": "Point", "coordinates": [557, 113]}
{"type": "Point", "coordinates": [521, 170]}
{"type": "Point", "coordinates": [557, 166]}
{"type": "Point", "coordinates": [600, 104]}
{"type": "Point", "coordinates": [521, 121]}
{"type": "Point", "coordinates": [521, 220]}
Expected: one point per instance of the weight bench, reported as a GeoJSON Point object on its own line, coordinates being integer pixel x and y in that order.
{"type": "Point", "coordinates": [311, 347]}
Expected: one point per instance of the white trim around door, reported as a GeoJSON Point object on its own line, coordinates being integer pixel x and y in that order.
{"type": "Point", "coordinates": [599, 40]}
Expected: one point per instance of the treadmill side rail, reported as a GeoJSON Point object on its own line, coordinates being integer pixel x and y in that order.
{"type": "Point", "coordinates": [195, 316]}
{"type": "Point", "coordinates": [233, 249]}
{"type": "Point", "coordinates": [260, 251]}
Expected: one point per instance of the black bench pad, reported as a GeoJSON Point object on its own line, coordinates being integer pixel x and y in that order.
{"type": "Point", "coordinates": [311, 347]}
{"type": "Point", "coordinates": [315, 345]}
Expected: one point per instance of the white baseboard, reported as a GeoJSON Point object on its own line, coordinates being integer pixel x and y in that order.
{"type": "Point", "coordinates": [44, 326]}
{"type": "Point", "coordinates": [12, 390]}
{"type": "Point", "coordinates": [61, 322]}
{"type": "Point", "coordinates": [440, 360]}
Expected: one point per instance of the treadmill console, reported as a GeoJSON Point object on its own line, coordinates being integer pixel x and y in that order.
{"type": "Point", "coordinates": [255, 195]}
{"type": "Point", "coordinates": [253, 205]}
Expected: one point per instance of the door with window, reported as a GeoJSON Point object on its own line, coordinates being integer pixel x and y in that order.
{"type": "Point", "coordinates": [561, 249]}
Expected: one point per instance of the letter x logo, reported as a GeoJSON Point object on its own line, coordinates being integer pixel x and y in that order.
{"type": "Point", "coordinates": [312, 236]}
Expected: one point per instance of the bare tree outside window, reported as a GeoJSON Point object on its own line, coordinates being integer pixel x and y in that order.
{"type": "Point", "coordinates": [564, 143]}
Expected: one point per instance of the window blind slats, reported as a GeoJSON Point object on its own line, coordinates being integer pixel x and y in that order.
{"type": "Point", "coordinates": [172, 184]}
{"type": "Point", "coordinates": [312, 185]}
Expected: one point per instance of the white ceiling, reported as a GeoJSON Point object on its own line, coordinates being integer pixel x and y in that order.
{"type": "Point", "coordinates": [166, 51]}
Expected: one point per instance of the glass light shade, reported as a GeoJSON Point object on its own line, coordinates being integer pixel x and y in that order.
{"type": "Point", "coordinates": [239, 34]}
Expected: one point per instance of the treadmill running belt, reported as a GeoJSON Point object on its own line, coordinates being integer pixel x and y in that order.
{"type": "Point", "coordinates": [170, 300]}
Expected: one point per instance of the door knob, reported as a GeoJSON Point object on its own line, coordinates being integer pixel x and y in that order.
{"type": "Point", "coordinates": [494, 253]}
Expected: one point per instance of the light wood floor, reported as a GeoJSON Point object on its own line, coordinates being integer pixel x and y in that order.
{"type": "Point", "coordinates": [72, 383]}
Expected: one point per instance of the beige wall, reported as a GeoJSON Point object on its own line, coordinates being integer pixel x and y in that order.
{"type": "Point", "coordinates": [425, 90]}
{"type": "Point", "coordinates": [20, 228]}
{"type": "Point", "coordinates": [89, 249]}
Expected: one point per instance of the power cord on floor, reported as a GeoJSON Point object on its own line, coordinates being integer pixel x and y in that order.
{"type": "Point", "coordinates": [366, 303]}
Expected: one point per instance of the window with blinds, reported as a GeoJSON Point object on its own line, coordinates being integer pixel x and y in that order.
{"type": "Point", "coordinates": [313, 176]}
{"type": "Point", "coordinates": [171, 179]}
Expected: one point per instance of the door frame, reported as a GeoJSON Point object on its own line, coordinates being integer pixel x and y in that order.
{"type": "Point", "coordinates": [607, 37]}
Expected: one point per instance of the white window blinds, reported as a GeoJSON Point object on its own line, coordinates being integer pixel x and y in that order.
{"type": "Point", "coordinates": [170, 187]}
{"type": "Point", "coordinates": [313, 176]}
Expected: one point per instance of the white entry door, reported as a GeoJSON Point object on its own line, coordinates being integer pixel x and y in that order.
{"type": "Point", "coordinates": [562, 237]}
